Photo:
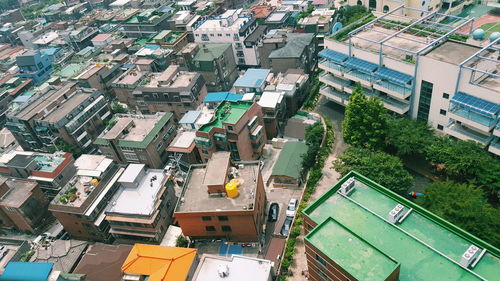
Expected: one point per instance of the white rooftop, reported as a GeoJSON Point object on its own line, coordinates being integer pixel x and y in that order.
{"type": "Point", "coordinates": [46, 38]}
{"type": "Point", "coordinates": [239, 268]}
{"type": "Point", "coordinates": [270, 99]}
{"type": "Point", "coordinates": [92, 165]}
{"type": "Point", "coordinates": [138, 200]}
{"type": "Point", "coordinates": [118, 3]}
{"type": "Point", "coordinates": [183, 139]}
{"type": "Point", "coordinates": [131, 173]}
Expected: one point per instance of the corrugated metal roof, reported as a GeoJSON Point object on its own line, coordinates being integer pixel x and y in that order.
{"type": "Point", "coordinates": [289, 162]}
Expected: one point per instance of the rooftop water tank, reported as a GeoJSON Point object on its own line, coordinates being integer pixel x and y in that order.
{"type": "Point", "coordinates": [232, 190]}
{"type": "Point", "coordinates": [494, 36]}
{"type": "Point", "coordinates": [478, 34]}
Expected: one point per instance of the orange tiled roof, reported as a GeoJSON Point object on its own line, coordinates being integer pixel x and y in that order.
{"type": "Point", "coordinates": [262, 11]}
{"type": "Point", "coordinates": [160, 263]}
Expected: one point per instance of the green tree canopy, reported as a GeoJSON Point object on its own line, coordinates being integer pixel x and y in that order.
{"type": "Point", "coordinates": [465, 206]}
{"type": "Point", "coordinates": [408, 137]}
{"type": "Point", "coordinates": [116, 107]}
{"type": "Point", "coordinates": [314, 135]}
{"type": "Point", "coordinates": [349, 15]}
{"type": "Point", "coordinates": [381, 167]}
{"type": "Point", "coordinates": [365, 122]}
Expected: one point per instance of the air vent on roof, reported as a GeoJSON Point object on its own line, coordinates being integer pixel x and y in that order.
{"type": "Point", "coordinates": [469, 256]}
{"type": "Point", "coordinates": [396, 213]}
{"type": "Point", "coordinates": [223, 271]}
{"type": "Point", "coordinates": [348, 186]}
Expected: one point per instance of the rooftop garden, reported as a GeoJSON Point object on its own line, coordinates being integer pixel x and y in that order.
{"type": "Point", "coordinates": [69, 195]}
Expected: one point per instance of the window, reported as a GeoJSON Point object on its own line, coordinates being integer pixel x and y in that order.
{"type": "Point", "coordinates": [230, 128]}
{"type": "Point", "coordinates": [226, 228]}
{"type": "Point", "coordinates": [206, 218]}
{"type": "Point", "coordinates": [425, 100]}
{"type": "Point", "coordinates": [197, 35]}
{"type": "Point", "coordinates": [240, 54]}
{"type": "Point", "coordinates": [131, 156]}
{"type": "Point", "coordinates": [440, 127]}
{"type": "Point", "coordinates": [446, 96]}
{"type": "Point", "coordinates": [322, 275]}
{"type": "Point", "coordinates": [442, 112]}
{"type": "Point", "coordinates": [223, 218]}
{"type": "Point", "coordinates": [320, 260]}
{"type": "Point", "coordinates": [220, 34]}
{"type": "Point", "coordinates": [211, 35]}
{"type": "Point", "coordinates": [236, 37]}
{"type": "Point", "coordinates": [228, 35]}
{"type": "Point", "coordinates": [204, 37]}
{"type": "Point", "coordinates": [210, 228]}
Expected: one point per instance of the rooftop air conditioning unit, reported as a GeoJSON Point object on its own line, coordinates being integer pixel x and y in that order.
{"type": "Point", "coordinates": [396, 213]}
{"type": "Point", "coordinates": [348, 186]}
{"type": "Point", "coordinates": [469, 256]}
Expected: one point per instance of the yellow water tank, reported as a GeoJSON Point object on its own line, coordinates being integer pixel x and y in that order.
{"type": "Point", "coordinates": [94, 182]}
{"type": "Point", "coordinates": [232, 190]}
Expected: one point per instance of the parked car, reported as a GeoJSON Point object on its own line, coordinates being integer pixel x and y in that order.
{"type": "Point", "coordinates": [274, 210]}
{"type": "Point", "coordinates": [292, 207]}
{"type": "Point", "coordinates": [285, 229]}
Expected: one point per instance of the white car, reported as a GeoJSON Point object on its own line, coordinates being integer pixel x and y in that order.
{"type": "Point", "coordinates": [292, 207]}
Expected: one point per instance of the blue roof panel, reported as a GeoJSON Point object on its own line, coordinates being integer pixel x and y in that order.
{"type": "Point", "coordinates": [361, 65]}
{"type": "Point", "coordinates": [475, 104]}
{"type": "Point", "coordinates": [252, 78]}
{"type": "Point", "coordinates": [190, 117]}
{"type": "Point", "coordinates": [333, 55]}
{"type": "Point", "coordinates": [222, 96]}
{"type": "Point", "coordinates": [27, 271]}
{"type": "Point", "coordinates": [393, 76]}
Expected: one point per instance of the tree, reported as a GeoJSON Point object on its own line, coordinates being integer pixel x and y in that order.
{"type": "Point", "coordinates": [380, 167]}
{"type": "Point", "coordinates": [181, 241]}
{"type": "Point", "coordinates": [467, 162]}
{"type": "Point", "coordinates": [365, 123]}
{"type": "Point", "coordinates": [116, 107]}
{"type": "Point", "coordinates": [349, 15]}
{"type": "Point", "coordinates": [465, 206]}
{"type": "Point", "coordinates": [407, 137]}
{"type": "Point", "coordinates": [66, 147]}
{"type": "Point", "coordinates": [314, 136]}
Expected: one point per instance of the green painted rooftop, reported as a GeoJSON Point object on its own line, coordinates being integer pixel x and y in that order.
{"type": "Point", "coordinates": [70, 70]}
{"type": "Point", "coordinates": [48, 164]}
{"type": "Point", "coordinates": [227, 112]}
{"type": "Point", "coordinates": [358, 257]}
{"type": "Point", "coordinates": [289, 162]}
{"type": "Point", "coordinates": [427, 246]}
{"type": "Point", "coordinates": [209, 52]}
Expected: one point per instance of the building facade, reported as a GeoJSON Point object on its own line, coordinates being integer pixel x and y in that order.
{"type": "Point", "coordinates": [237, 127]}
{"type": "Point", "coordinates": [139, 139]}
{"type": "Point", "coordinates": [451, 85]}
{"type": "Point", "coordinates": [23, 203]}
{"type": "Point", "coordinates": [80, 205]}
{"type": "Point", "coordinates": [142, 208]}
{"type": "Point", "coordinates": [231, 27]}
{"type": "Point", "coordinates": [206, 210]}
{"type": "Point", "coordinates": [33, 65]}
{"type": "Point", "coordinates": [360, 222]}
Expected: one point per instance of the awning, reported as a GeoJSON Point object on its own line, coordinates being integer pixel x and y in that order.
{"type": "Point", "coordinates": [333, 55]}
{"type": "Point", "coordinates": [361, 65]}
{"type": "Point", "coordinates": [475, 104]}
{"type": "Point", "coordinates": [393, 76]}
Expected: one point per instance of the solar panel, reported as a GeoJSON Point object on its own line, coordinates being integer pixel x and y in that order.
{"type": "Point", "coordinates": [333, 55]}
{"type": "Point", "coordinates": [475, 104]}
{"type": "Point", "coordinates": [361, 65]}
{"type": "Point", "coordinates": [393, 76]}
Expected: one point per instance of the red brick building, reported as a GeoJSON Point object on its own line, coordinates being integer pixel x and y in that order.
{"type": "Point", "coordinates": [205, 210]}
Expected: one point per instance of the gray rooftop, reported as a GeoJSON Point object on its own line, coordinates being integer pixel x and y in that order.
{"type": "Point", "coordinates": [452, 52]}
{"type": "Point", "coordinates": [19, 191]}
{"type": "Point", "coordinates": [217, 168]}
{"type": "Point", "coordinates": [241, 268]}
{"type": "Point", "coordinates": [65, 108]}
{"type": "Point", "coordinates": [63, 253]}
{"type": "Point", "coordinates": [296, 43]}
{"type": "Point", "coordinates": [195, 198]}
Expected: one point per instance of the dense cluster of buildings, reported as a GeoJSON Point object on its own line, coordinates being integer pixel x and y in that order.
{"type": "Point", "coordinates": [128, 126]}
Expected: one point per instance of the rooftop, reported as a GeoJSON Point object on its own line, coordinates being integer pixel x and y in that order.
{"type": "Point", "coordinates": [183, 142]}
{"type": "Point", "coordinates": [195, 198]}
{"type": "Point", "coordinates": [452, 52]}
{"type": "Point", "coordinates": [436, 246]}
{"type": "Point", "coordinates": [103, 262]}
{"type": "Point", "coordinates": [159, 262]}
{"type": "Point", "coordinates": [145, 17]}
{"type": "Point", "coordinates": [396, 36]}
{"type": "Point", "coordinates": [209, 52]}
{"type": "Point", "coordinates": [252, 78]}
{"type": "Point", "coordinates": [27, 271]}
{"type": "Point", "coordinates": [172, 77]}
{"type": "Point", "coordinates": [289, 162]}
{"type": "Point", "coordinates": [66, 107]}
{"type": "Point", "coordinates": [296, 43]}
{"type": "Point", "coordinates": [63, 253]}
{"type": "Point", "coordinates": [270, 99]}
{"type": "Point", "coordinates": [129, 77]}
{"type": "Point", "coordinates": [241, 268]}
{"type": "Point", "coordinates": [135, 130]}
{"type": "Point", "coordinates": [19, 191]}
{"type": "Point", "coordinates": [139, 200]}
{"type": "Point", "coordinates": [227, 112]}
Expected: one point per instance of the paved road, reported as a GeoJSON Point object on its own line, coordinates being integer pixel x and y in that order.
{"type": "Point", "coordinates": [335, 113]}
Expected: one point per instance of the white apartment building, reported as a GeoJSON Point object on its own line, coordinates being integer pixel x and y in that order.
{"type": "Point", "coordinates": [451, 85]}
{"type": "Point", "coordinates": [235, 28]}
{"type": "Point", "coordinates": [451, 7]}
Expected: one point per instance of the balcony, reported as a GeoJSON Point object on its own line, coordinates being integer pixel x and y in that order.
{"type": "Point", "coordinates": [334, 95]}
{"type": "Point", "coordinates": [461, 132]}
{"type": "Point", "coordinates": [472, 119]}
{"type": "Point", "coordinates": [361, 77]}
{"type": "Point", "coordinates": [335, 82]}
{"type": "Point", "coordinates": [496, 132]}
{"type": "Point", "coordinates": [331, 67]}
{"type": "Point", "coordinates": [391, 104]}
{"type": "Point", "coordinates": [495, 147]}
{"type": "Point", "coordinates": [395, 90]}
